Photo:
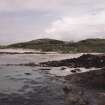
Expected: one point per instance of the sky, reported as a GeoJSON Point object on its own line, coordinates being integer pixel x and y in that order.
{"type": "Point", "coordinates": [71, 20]}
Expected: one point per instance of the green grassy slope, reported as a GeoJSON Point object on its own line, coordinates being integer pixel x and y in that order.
{"type": "Point", "coordinates": [89, 45]}
{"type": "Point", "coordinates": [40, 44]}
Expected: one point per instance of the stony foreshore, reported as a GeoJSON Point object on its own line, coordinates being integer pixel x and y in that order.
{"type": "Point", "coordinates": [86, 60]}
{"type": "Point", "coordinates": [85, 88]}
{"type": "Point", "coordinates": [33, 83]}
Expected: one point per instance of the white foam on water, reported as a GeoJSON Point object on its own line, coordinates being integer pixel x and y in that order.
{"type": "Point", "coordinates": [58, 72]}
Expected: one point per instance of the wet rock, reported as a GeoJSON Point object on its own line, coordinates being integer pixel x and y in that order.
{"type": "Point", "coordinates": [85, 88]}
{"type": "Point", "coordinates": [27, 73]}
{"type": "Point", "coordinates": [30, 64]}
{"type": "Point", "coordinates": [78, 70]}
{"type": "Point", "coordinates": [63, 68]}
{"type": "Point", "coordinates": [93, 78]}
{"type": "Point", "coordinates": [45, 69]}
{"type": "Point", "coordinates": [86, 60]}
{"type": "Point", "coordinates": [75, 96]}
{"type": "Point", "coordinates": [75, 70]}
{"type": "Point", "coordinates": [23, 64]}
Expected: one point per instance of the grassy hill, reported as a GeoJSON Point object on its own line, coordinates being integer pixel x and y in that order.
{"type": "Point", "coordinates": [40, 44]}
{"type": "Point", "coordinates": [2, 47]}
{"type": "Point", "coordinates": [91, 45]}
{"type": "Point", "coordinates": [88, 45]}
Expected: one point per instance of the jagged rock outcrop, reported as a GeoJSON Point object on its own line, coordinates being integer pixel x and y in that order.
{"type": "Point", "coordinates": [86, 60]}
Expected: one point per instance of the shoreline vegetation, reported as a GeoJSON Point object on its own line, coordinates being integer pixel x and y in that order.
{"type": "Point", "coordinates": [52, 45]}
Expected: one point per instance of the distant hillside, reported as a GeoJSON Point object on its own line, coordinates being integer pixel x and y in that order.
{"type": "Point", "coordinates": [89, 45]}
{"type": "Point", "coordinates": [1, 46]}
{"type": "Point", "coordinates": [40, 44]}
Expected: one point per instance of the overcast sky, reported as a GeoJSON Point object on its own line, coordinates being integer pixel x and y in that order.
{"type": "Point", "coordinates": [23, 20]}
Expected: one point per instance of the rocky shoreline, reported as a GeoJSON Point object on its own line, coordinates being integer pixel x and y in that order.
{"type": "Point", "coordinates": [78, 88]}
{"type": "Point", "coordinates": [85, 88]}
{"type": "Point", "coordinates": [86, 60]}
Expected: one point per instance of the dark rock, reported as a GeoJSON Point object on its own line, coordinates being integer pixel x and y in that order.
{"type": "Point", "coordinates": [45, 69]}
{"type": "Point", "coordinates": [78, 70]}
{"type": "Point", "coordinates": [27, 73]}
{"type": "Point", "coordinates": [73, 71]}
{"type": "Point", "coordinates": [93, 78]}
{"type": "Point", "coordinates": [30, 64]}
{"type": "Point", "coordinates": [24, 64]}
{"type": "Point", "coordinates": [85, 88]}
{"type": "Point", "coordinates": [86, 60]}
{"type": "Point", "coordinates": [63, 68]}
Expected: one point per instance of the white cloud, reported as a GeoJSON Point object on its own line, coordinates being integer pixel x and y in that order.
{"type": "Point", "coordinates": [78, 28]}
{"type": "Point", "coordinates": [27, 19]}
